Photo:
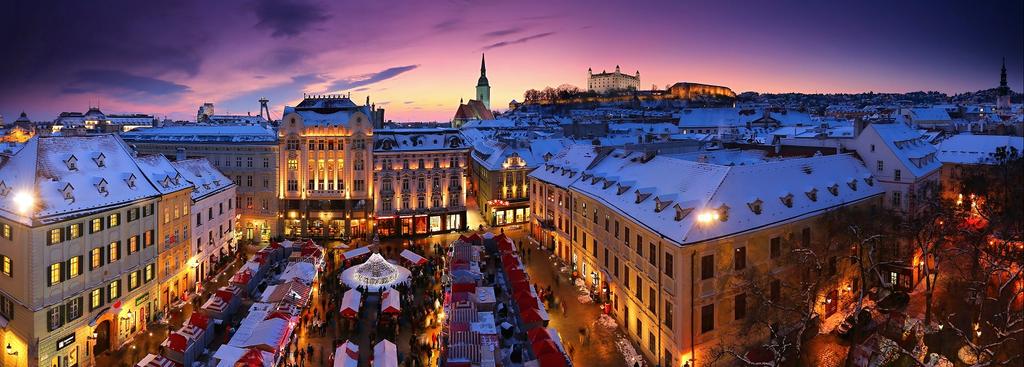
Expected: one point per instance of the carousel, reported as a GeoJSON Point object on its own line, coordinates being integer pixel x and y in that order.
{"type": "Point", "coordinates": [375, 274]}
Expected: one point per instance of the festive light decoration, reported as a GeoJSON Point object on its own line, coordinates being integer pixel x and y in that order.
{"type": "Point", "coordinates": [374, 274]}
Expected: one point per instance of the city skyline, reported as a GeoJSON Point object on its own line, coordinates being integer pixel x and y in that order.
{"type": "Point", "coordinates": [418, 61]}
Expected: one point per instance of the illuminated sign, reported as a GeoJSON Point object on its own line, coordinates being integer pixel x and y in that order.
{"type": "Point", "coordinates": [66, 341]}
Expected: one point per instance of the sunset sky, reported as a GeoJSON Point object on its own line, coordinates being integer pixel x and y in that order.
{"type": "Point", "coordinates": [417, 58]}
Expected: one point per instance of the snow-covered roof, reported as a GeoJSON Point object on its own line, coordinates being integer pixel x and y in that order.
{"type": "Point", "coordinates": [974, 149]}
{"type": "Point", "coordinates": [206, 179]}
{"type": "Point", "coordinates": [162, 174]}
{"type": "Point", "coordinates": [654, 128]}
{"type": "Point", "coordinates": [927, 114]}
{"type": "Point", "coordinates": [393, 140]}
{"type": "Point", "coordinates": [315, 118]}
{"type": "Point", "coordinates": [203, 134]}
{"type": "Point", "coordinates": [724, 157]}
{"type": "Point", "coordinates": [492, 153]}
{"type": "Point", "coordinates": [71, 176]}
{"type": "Point", "coordinates": [719, 117]}
{"type": "Point", "coordinates": [565, 167]}
{"type": "Point", "coordinates": [909, 146]}
{"type": "Point", "coordinates": [667, 194]}
{"type": "Point", "coordinates": [489, 124]}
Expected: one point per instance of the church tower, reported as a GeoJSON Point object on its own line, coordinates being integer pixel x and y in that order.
{"type": "Point", "coordinates": [1003, 92]}
{"type": "Point", "coordinates": [483, 89]}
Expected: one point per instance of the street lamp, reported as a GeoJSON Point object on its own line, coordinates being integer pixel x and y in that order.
{"type": "Point", "coordinates": [11, 351]}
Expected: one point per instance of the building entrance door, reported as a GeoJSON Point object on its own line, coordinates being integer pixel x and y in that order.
{"type": "Point", "coordinates": [102, 343]}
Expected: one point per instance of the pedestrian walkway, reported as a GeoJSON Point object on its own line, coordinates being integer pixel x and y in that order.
{"type": "Point", "coordinates": [595, 345]}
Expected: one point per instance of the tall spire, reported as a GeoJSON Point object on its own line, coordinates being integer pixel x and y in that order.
{"type": "Point", "coordinates": [483, 65]}
{"type": "Point", "coordinates": [1002, 75]}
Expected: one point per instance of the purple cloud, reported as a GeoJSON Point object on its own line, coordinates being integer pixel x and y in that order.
{"type": "Point", "coordinates": [289, 18]}
{"type": "Point", "coordinates": [367, 79]}
{"type": "Point", "coordinates": [517, 41]}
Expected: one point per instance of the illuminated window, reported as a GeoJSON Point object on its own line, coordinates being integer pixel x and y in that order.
{"type": "Point", "coordinates": [114, 251]}
{"type": "Point", "coordinates": [55, 235]}
{"type": "Point", "coordinates": [75, 267]}
{"type": "Point", "coordinates": [5, 266]}
{"type": "Point", "coordinates": [95, 298]}
{"type": "Point", "coordinates": [114, 290]}
{"type": "Point", "coordinates": [133, 280]}
{"type": "Point", "coordinates": [55, 273]}
{"type": "Point", "coordinates": [7, 231]}
{"type": "Point", "coordinates": [114, 220]}
{"type": "Point", "coordinates": [148, 275]}
{"type": "Point", "coordinates": [96, 258]}
{"type": "Point", "coordinates": [96, 225]}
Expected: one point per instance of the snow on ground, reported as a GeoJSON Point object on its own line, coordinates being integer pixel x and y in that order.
{"type": "Point", "coordinates": [628, 352]}
{"type": "Point", "coordinates": [606, 321]}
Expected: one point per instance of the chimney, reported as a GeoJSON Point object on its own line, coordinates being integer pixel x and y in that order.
{"type": "Point", "coordinates": [179, 155]}
{"type": "Point", "coordinates": [858, 125]}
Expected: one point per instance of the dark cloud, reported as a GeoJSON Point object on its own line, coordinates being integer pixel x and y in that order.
{"type": "Point", "coordinates": [114, 82]}
{"type": "Point", "coordinates": [289, 18]}
{"type": "Point", "coordinates": [502, 32]}
{"type": "Point", "coordinates": [448, 25]}
{"type": "Point", "coordinates": [408, 102]}
{"type": "Point", "coordinates": [279, 59]}
{"type": "Point", "coordinates": [367, 79]}
{"type": "Point", "coordinates": [518, 40]}
{"type": "Point", "coordinates": [363, 89]}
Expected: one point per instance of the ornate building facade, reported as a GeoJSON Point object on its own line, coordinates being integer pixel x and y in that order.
{"type": "Point", "coordinates": [325, 181]}
{"type": "Point", "coordinates": [419, 181]}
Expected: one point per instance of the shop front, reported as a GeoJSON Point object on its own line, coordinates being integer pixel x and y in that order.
{"type": "Point", "coordinates": [426, 224]}
{"type": "Point", "coordinates": [512, 214]}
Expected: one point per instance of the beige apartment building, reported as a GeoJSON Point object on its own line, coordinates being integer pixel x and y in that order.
{"type": "Point", "coordinates": [669, 243]}
{"type": "Point", "coordinates": [419, 181]}
{"type": "Point", "coordinates": [550, 200]}
{"type": "Point", "coordinates": [247, 154]}
{"type": "Point", "coordinates": [78, 258]}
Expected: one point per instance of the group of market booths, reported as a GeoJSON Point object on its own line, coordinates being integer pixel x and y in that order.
{"type": "Point", "coordinates": [261, 336]}
{"type": "Point", "coordinates": [478, 323]}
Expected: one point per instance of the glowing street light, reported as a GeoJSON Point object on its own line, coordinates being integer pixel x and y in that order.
{"type": "Point", "coordinates": [707, 216]}
{"type": "Point", "coordinates": [24, 201]}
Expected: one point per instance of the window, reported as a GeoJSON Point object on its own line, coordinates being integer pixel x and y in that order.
{"type": "Point", "coordinates": [149, 273]}
{"type": "Point", "coordinates": [805, 237]}
{"type": "Point", "coordinates": [625, 234]}
{"type": "Point", "coordinates": [707, 267]}
{"type": "Point", "coordinates": [5, 266]}
{"type": "Point", "coordinates": [73, 309]}
{"type": "Point", "coordinates": [54, 318]}
{"type": "Point", "coordinates": [360, 185]}
{"type": "Point", "coordinates": [266, 162]}
{"type": "Point", "coordinates": [606, 258]}
{"type": "Point", "coordinates": [872, 147]}
{"type": "Point", "coordinates": [616, 228]}
{"type": "Point", "coordinates": [740, 306]}
{"type": "Point", "coordinates": [114, 290]}
{"type": "Point", "coordinates": [6, 231]}
{"type": "Point", "coordinates": [776, 247]}
{"type": "Point", "coordinates": [55, 275]}
{"type": "Point", "coordinates": [133, 214]}
{"type": "Point", "coordinates": [293, 185]}
{"type": "Point", "coordinates": [133, 280]}
{"type": "Point", "coordinates": [740, 258]}
{"type": "Point", "coordinates": [74, 267]}
{"type": "Point", "coordinates": [113, 220]}
{"type": "Point", "coordinates": [6, 307]}
{"type": "Point", "coordinates": [652, 255]}
{"type": "Point", "coordinates": [248, 182]}
{"type": "Point", "coordinates": [639, 288]}
{"type": "Point", "coordinates": [707, 318]}
{"type": "Point", "coordinates": [75, 230]}
{"type": "Point", "coordinates": [95, 258]}
{"type": "Point", "coordinates": [114, 251]}
{"type": "Point", "coordinates": [666, 316]}
{"type": "Point", "coordinates": [897, 198]}
{"type": "Point", "coordinates": [248, 162]}
{"type": "Point", "coordinates": [56, 236]}
{"type": "Point", "coordinates": [896, 175]}
{"type": "Point", "coordinates": [651, 299]}
{"type": "Point", "coordinates": [147, 239]}
{"type": "Point", "coordinates": [669, 272]}
{"type": "Point", "coordinates": [95, 299]}
{"type": "Point", "coordinates": [881, 166]}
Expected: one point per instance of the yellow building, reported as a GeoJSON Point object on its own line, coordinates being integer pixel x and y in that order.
{"type": "Point", "coordinates": [175, 272]}
{"type": "Point", "coordinates": [672, 245]}
{"type": "Point", "coordinates": [77, 252]}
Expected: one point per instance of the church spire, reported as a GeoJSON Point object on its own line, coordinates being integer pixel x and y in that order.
{"type": "Point", "coordinates": [1002, 75]}
{"type": "Point", "coordinates": [483, 66]}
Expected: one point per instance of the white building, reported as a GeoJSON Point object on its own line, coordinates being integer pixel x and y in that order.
{"type": "Point", "coordinates": [212, 227]}
{"type": "Point", "coordinates": [900, 159]}
{"type": "Point", "coordinates": [604, 81]}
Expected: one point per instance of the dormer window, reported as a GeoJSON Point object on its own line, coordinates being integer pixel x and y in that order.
{"type": "Point", "coordinates": [130, 181]}
{"type": "Point", "coordinates": [787, 200]}
{"type": "Point", "coordinates": [585, 176]}
{"type": "Point", "coordinates": [216, 182]}
{"type": "Point", "coordinates": [99, 159]}
{"type": "Point", "coordinates": [660, 205]}
{"type": "Point", "coordinates": [102, 187]}
{"type": "Point", "coordinates": [723, 212]}
{"type": "Point", "coordinates": [69, 192]}
{"type": "Point", "coordinates": [72, 163]}
{"type": "Point", "coordinates": [595, 180]}
{"type": "Point", "coordinates": [206, 186]}
{"type": "Point", "coordinates": [870, 181]}
{"type": "Point", "coordinates": [622, 189]}
{"type": "Point", "coordinates": [812, 194]}
{"type": "Point", "coordinates": [834, 189]}
{"type": "Point", "coordinates": [755, 206]}
{"type": "Point", "coordinates": [166, 182]}
{"type": "Point", "coordinates": [641, 196]}
{"type": "Point", "coordinates": [681, 212]}
{"type": "Point", "coordinates": [4, 189]}
{"type": "Point", "coordinates": [852, 184]}
{"type": "Point", "coordinates": [607, 184]}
